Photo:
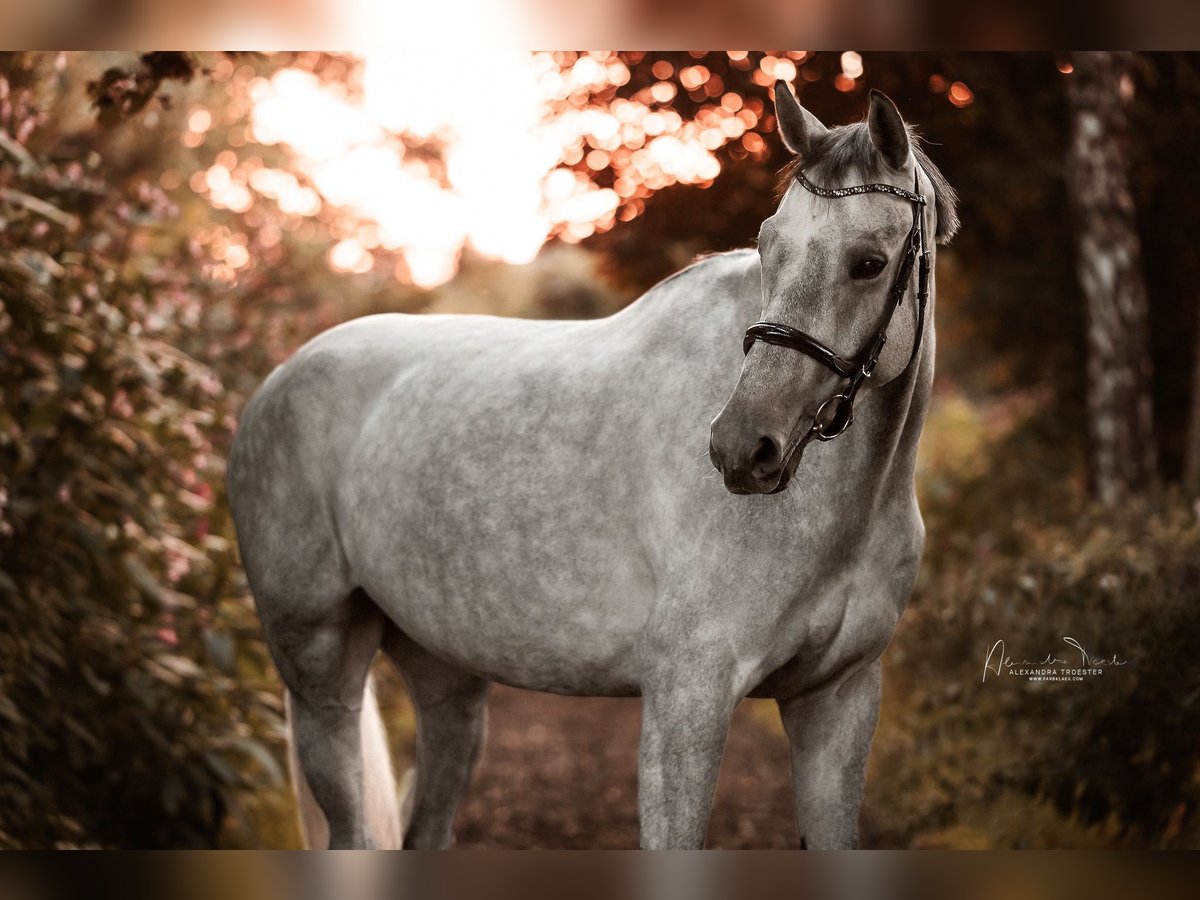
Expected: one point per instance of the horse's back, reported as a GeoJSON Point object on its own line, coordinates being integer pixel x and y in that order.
{"type": "Point", "coordinates": [315, 403]}
{"type": "Point", "coordinates": [311, 407]}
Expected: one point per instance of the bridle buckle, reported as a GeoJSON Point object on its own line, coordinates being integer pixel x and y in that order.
{"type": "Point", "coordinates": [820, 432]}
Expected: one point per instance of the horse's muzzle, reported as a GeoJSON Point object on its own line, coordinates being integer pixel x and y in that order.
{"type": "Point", "coordinates": [751, 464]}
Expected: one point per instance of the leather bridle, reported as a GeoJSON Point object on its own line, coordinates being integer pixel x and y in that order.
{"type": "Point", "coordinates": [858, 369]}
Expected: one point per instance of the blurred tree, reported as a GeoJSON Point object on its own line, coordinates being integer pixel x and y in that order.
{"type": "Point", "coordinates": [1109, 263]}
{"type": "Point", "coordinates": [1191, 470]}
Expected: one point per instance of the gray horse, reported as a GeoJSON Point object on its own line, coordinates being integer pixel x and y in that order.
{"type": "Point", "coordinates": [530, 503]}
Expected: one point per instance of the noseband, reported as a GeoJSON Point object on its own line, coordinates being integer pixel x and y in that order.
{"type": "Point", "coordinates": [840, 406]}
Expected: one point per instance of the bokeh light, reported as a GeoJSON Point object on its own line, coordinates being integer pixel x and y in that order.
{"type": "Point", "coordinates": [961, 95]}
{"type": "Point", "coordinates": [852, 65]}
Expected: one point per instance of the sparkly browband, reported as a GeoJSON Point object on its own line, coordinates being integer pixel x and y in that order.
{"type": "Point", "coordinates": [859, 189]}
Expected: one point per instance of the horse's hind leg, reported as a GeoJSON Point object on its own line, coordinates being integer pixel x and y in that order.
{"type": "Point", "coordinates": [449, 706]}
{"type": "Point", "coordinates": [323, 651]}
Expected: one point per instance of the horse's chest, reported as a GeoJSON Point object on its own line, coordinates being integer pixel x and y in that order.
{"type": "Point", "coordinates": [854, 615]}
{"type": "Point", "coordinates": [846, 616]}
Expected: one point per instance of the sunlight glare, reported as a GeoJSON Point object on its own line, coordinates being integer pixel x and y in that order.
{"type": "Point", "coordinates": [503, 189]}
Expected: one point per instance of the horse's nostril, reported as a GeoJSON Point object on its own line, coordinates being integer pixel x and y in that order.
{"type": "Point", "coordinates": [766, 454]}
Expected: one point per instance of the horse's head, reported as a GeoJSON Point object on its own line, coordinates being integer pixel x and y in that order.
{"type": "Point", "coordinates": [842, 288]}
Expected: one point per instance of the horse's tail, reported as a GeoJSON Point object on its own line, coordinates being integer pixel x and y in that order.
{"type": "Point", "coordinates": [384, 814]}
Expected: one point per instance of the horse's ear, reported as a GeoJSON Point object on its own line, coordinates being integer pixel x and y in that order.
{"type": "Point", "coordinates": [888, 132]}
{"type": "Point", "coordinates": [797, 126]}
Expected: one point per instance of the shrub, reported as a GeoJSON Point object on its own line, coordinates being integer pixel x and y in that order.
{"type": "Point", "coordinates": [133, 693]}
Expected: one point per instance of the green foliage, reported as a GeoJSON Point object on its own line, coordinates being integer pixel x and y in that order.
{"type": "Point", "coordinates": [1018, 556]}
{"type": "Point", "coordinates": [133, 691]}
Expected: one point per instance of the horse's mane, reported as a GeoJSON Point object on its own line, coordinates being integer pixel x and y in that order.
{"type": "Point", "coordinates": [849, 149]}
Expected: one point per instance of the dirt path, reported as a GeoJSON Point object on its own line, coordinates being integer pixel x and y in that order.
{"type": "Point", "coordinates": [560, 772]}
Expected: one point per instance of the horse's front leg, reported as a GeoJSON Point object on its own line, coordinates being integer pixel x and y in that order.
{"type": "Point", "coordinates": [830, 734]}
{"type": "Point", "coordinates": [686, 710]}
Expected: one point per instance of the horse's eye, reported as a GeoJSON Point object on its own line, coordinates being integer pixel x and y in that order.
{"type": "Point", "coordinates": [868, 268]}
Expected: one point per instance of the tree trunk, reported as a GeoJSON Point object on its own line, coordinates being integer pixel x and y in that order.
{"type": "Point", "coordinates": [1191, 457]}
{"type": "Point", "coordinates": [1109, 265]}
